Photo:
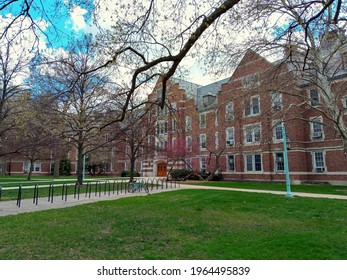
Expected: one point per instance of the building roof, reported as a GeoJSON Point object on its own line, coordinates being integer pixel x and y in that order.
{"type": "Point", "coordinates": [206, 96]}
{"type": "Point", "coordinates": [189, 87]}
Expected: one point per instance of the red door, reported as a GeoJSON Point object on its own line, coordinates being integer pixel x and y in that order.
{"type": "Point", "coordinates": [162, 169]}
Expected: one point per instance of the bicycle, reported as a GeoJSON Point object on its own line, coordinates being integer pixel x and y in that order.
{"type": "Point", "coordinates": [134, 186]}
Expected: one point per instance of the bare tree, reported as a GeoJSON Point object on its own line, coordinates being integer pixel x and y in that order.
{"type": "Point", "coordinates": [79, 100]}
{"type": "Point", "coordinates": [13, 67]}
{"type": "Point", "coordinates": [133, 140]}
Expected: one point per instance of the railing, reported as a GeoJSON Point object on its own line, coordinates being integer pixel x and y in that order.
{"type": "Point", "coordinates": [99, 188]}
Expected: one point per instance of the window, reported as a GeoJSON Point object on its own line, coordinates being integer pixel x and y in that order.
{"type": "Point", "coordinates": [276, 101]}
{"type": "Point", "coordinates": [162, 128]}
{"type": "Point", "coordinates": [164, 111]}
{"type": "Point", "coordinates": [173, 143]}
{"type": "Point", "coordinates": [229, 111]}
{"type": "Point", "coordinates": [202, 164]}
{"type": "Point", "coordinates": [188, 123]}
{"type": "Point", "coordinates": [174, 125]}
{"type": "Point", "coordinates": [279, 162]}
{"type": "Point", "coordinates": [250, 81]}
{"type": "Point", "coordinates": [252, 106]}
{"type": "Point", "coordinates": [253, 163]}
{"type": "Point", "coordinates": [216, 117]}
{"type": "Point", "coordinates": [230, 136]}
{"type": "Point", "coordinates": [189, 164]}
{"type": "Point", "coordinates": [159, 94]}
{"type": "Point", "coordinates": [252, 134]}
{"type": "Point", "coordinates": [231, 163]}
{"type": "Point", "coordinates": [202, 120]}
{"type": "Point", "coordinates": [208, 99]}
{"type": "Point", "coordinates": [216, 138]}
{"type": "Point", "coordinates": [317, 129]}
{"type": "Point", "coordinates": [314, 98]}
{"type": "Point", "coordinates": [278, 132]}
{"type": "Point", "coordinates": [202, 141]}
{"type": "Point", "coordinates": [319, 162]}
{"type": "Point", "coordinates": [189, 143]}
{"type": "Point", "coordinates": [26, 167]}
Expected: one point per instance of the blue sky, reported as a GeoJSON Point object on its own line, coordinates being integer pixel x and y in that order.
{"type": "Point", "coordinates": [63, 21]}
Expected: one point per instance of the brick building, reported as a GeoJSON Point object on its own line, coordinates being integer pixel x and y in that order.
{"type": "Point", "coordinates": [239, 120]}
{"type": "Point", "coordinates": [235, 125]}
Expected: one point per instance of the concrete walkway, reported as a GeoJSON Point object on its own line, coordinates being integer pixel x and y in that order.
{"type": "Point", "coordinates": [27, 205]}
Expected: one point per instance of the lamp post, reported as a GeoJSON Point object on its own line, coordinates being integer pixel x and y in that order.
{"type": "Point", "coordinates": [286, 167]}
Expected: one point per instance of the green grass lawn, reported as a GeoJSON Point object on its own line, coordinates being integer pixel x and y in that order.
{"type": "Point", "coordinates": [184, 224]}
{"type": "Point", "coordinates": [325, 189]}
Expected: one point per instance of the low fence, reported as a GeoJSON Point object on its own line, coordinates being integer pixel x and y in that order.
{"type": "Point", "coordinates": [88, 190]}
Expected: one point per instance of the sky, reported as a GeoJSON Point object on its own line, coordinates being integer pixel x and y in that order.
{"type": "Point", "coordinates": [75, 20]}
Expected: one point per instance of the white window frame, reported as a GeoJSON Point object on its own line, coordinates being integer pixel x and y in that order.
{"type": "Point", "coordinates": [174, 125]}
{"type": "Point", "coordinates": [278, 128]}
{"type": "Point", "coordinates": [316, 122]}
{"type": "Point", "coordinates": [276, 101]}
{"type": "Point", "coordinates": [188, 123]}
{"type": "Point", "coordinates": [216, 139]}
{"type": "Point", "coordinates": [216, 117]}
{"type": "Point", "coordinates": [252, 128]}
{"type": "Point", "coordinates": [228, 157]}
{"type": "Point", "coordinates": [202, 120]}
{"type": "Point", "coordinates": [202, 148]}
{"type": "Point", "coordinates": [189, 143]}
{"type": "Point", "coordinates": [321, 168]}
{"type": "Point", "coordinates": [230, 136]}
{"type": "Point", "coordinates": [173, 143]}
{"type": "Point", "coordinates": [188, 163]}
{"type": "Point", "coordinates": [252, 106]}
{"type": "Point", "coordinates": [203, 164]}
{"type": "Point", "coordinates": [253, 169]}
{"type": "Point", "coordinates": [279, 160]}
{"type": "Point", "coordinates": [229, 111]}
{"type": "Point", "coordinates": [314, 102]}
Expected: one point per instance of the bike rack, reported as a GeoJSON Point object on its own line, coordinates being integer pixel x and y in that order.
{"type": "Point", "coordinates": [19, 196]}
{"type": "Point", "coordinates": [51, 193]}
{"type": "Point", "coordinates": [36, 194]}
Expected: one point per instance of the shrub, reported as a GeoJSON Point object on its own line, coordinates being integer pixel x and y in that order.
{"type": "Point", "coordinates": [179, 174]}
{"type": "Point", "coordinates": [126, 173]}
{"type": "Point", "coordinates": [65, 167]}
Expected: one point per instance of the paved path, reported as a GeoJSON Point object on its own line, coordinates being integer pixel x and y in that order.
{"type": "Point", "coordinates": [27, 205]}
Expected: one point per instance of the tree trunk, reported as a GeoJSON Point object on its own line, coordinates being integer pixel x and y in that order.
{"type": "Point", "coordinates": [217, 166]}
{"type": "Point", "coordinates": [80, 164]}
{"type": "Point", "coordinates": [30, 170]}
{"type": "Point", "coordinates": [56, 168]}
{"type": "Point", "coordinates": [132, 169]}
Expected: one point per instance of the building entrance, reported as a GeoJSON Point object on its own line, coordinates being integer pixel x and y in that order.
{"type": "Point", "coordinates": [162, 169]}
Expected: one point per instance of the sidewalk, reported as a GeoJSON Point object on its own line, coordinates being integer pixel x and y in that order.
{"type": "Point", "coordinates": [27, 205]}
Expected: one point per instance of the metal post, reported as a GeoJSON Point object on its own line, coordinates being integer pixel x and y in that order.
{"type": "Point", "coordinates": [286, 165]}
{"type": "Point", "coordinates": [84, 167]}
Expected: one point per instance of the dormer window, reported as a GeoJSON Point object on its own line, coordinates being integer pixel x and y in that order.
{"type": "Point", "coordinates": [208, 99]}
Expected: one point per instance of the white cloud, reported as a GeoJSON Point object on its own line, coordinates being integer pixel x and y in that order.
{"type": "Point", "coordinates": [77, 18]}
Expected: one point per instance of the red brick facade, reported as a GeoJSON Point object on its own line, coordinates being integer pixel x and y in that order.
{"type": "Point", "coordinates": [239, 121]}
